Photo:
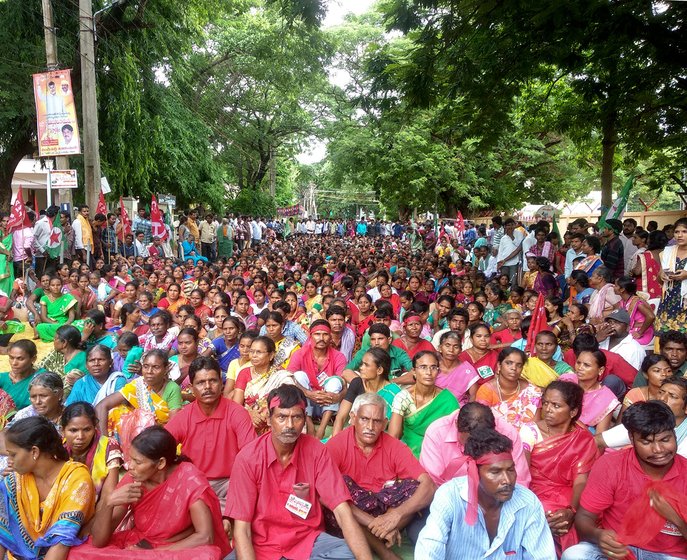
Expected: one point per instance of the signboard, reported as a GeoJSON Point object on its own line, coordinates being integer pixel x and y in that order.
{"type": "Point", "coordinates": [290, 210]}
{"type": "Point", "coordinates": [168, 199]}
{"type": "Point", "coordinates": [58, 129]}
{"type": "Point", "coordinates": [63, 179]}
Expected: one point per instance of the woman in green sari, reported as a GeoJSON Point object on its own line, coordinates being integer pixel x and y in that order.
{"type": "Point", "coordinates": [6, 268]}
{"type": "Point", "coordinates": [56, 310]}
{"type": "Point", "coordinates": [15, 383]}
{"type": "Point", "coordinates": [496, 304]}
{"type": "Point", "coordinates": [66, 359]}
{"type": "Point", "coordinates": [225, 240]}
{"type": "Point", "coordinates": [416, 407]}
{"type": "Point", "coordinates": [374, 378]}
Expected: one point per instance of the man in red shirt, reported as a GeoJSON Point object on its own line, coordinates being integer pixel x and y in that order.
{"type": "Point", "coordinates": [617, 490]}
{"type": "Point", "coordinates": [388, 486]}
{"type": "Point", "coordinates": [317, 370]}
{"type": "Point", "coordinates": [212, 429]}
{"type": "Point", "coordinates": [280, 483]}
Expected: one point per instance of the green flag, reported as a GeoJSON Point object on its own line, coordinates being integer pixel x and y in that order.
{"type": "Point", "coordinates": [56, 239]}
{"type": "Point", "coordinates": [617, 209]}
{"type": "Point", "coordinates": [554, 225]}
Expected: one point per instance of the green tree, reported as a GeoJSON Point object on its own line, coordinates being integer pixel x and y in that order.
{"type": "Point", "coordinates": [624, 63]}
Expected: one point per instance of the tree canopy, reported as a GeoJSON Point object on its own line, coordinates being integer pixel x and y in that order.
{"type": "Point", "coordinates": [423, 104]}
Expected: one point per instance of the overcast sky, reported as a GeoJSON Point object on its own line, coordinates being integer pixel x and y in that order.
{"type": "Point", "coordinates": [337, 9]}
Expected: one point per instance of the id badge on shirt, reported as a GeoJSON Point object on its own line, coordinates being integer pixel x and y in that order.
{"type": "Point", "coordinates": [321, 378]}
{"type": "Point", "coordinates": [298, 506]}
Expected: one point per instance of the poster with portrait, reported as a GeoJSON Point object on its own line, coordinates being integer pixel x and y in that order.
{"type": "Point", "coordinates": [58, 129]}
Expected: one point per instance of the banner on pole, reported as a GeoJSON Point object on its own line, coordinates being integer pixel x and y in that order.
{"type": "Point", "coordinates": [294, 210]}
{"type": "Point", "coordinates": [58, 129]}
{"type": "Point", "coordinates": [63, 179]}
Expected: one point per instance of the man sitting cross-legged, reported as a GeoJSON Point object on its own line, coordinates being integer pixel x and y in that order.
{"type": "Point", "coordinates": [388, 486]}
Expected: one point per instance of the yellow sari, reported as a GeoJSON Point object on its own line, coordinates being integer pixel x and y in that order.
{"type": "Point", "coordinates": [28, 525]}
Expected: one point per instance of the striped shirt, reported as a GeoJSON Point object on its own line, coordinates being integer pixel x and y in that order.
{"type": "Point", "coordinates": [523, 532]}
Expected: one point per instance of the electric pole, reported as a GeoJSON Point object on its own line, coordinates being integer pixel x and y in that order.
{"type": "Point", "coordinates": [61, 162]}
{"type": "Point", "coordinates": [91, 142]}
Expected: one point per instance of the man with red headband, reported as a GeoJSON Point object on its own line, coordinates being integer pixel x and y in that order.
{"type": "Point", "coordinates": [317, 370]}
{"type": "Point", "coordinates": [486, 514]}
{"type": "Point", "coordinates": [443, 448]}
{"type": "Point", "coordinates": [280, 483]}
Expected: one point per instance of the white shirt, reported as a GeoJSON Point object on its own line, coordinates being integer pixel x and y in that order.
{"type": "Point", "coordinates": [628, 250]}
{"type": "Point", "coordinates": [141, 249]}
{"type": "Point", "coordinates": [618, 437]}
{"type": "Point", "coordinates": [507, 246]}
{"type": "Point", "coordinates": [631, 350]}
{"type": "Point", "coordinates": [570, 256]}
{"type": "Point", "coordinates": [41, 234]}
{"type": "Point", "coordinates": [78, 235]}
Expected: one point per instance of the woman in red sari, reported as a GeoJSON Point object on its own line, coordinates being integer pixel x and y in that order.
{"type": "Point", "coordinates": [480, 356]}
{"type": "Point", "coordinates": [644, 267]}
{"type": "Point", "coordinates": [561, 454]}
{"type": "Point", "coordinates": [169, 504]}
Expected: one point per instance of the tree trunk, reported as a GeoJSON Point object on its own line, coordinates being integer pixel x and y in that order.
{"type": "Point", "coordinates": [608, 143]}
{"type": "Point", "coordinates": [7, 167]}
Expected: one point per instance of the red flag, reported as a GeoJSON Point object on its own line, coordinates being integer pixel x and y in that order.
{"type": "Point", "coordinates": [158, 228]}
{"type": "Point", "coordinates": [102, 205]}
{"type": "Point", "coordinates": [538, 324]}
{"type": "Point", "coordinates": [35, 204]}
{"type": "Point", "coordinates": [125, 222]}
{"type": "Point", "coordinates": [460, 227]}
{"type": "Point", "coordinates": [18, 213]}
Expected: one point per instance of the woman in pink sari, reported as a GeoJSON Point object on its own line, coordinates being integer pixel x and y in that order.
{"type": "Point", "coordinates": [163, 503]}
{"type": "Point", "coordinates": [458, 377]}
{"type": "Point", "coordinates": [599, 402]}
{"type": "Point", "coordinates": [561, 453]}
{"type": "Point", "coordinates": [641, 315]}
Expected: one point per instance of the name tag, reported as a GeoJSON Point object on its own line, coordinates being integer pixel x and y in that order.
{"type": "Point", "coordinates": [297, 506]}
{"type": "Point", "coordinates": [485, 372]}
{"type": "Point", "coordinates": [322, 377]}
{"type": "Point", "coordinates": [670, 529]}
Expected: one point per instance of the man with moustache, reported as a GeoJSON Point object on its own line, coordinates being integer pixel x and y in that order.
{"type": "Point", "coordinates": [317, 369]}
{"type": "Point", "coordinates": [280, 483]}
{"type": "Point", "coordinates": [389, 487]}
{"type": "Point", "coordinates": [615, 518]}
{"type": "Point", "coordinates": [211, 429]}
{"type": "Point", "coordinates": [673, 347]}
{"type": "Point", "coordinates": [486, 514]}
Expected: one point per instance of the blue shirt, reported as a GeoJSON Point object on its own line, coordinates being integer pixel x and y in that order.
{"type": "Point", "coordinates": [523, 532]}
{"type": "Point", "coordinates": [290, 329]}
{"type": "Point", "coordinates": [225, 355]}
{"type": "Point", "coordinates": [86, 389]}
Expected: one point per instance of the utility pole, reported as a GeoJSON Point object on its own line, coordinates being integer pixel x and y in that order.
{"type": "Point", "coordinates": [91, 142]}
{"type": "Point", "coordinates": [61, 162]}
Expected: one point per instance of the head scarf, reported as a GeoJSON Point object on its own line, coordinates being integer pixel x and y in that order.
{"type": "Point", "coordinates": [473, 480]}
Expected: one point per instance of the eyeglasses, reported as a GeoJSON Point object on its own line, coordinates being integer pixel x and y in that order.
{"type": "Point", "coordinates": [427, 368]}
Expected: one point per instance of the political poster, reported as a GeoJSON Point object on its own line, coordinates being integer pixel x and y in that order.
{"type": "Point", "coordinates": [58, 129]}
{"type": "Point", "coordinates": [294, 210]}
{"type": "Point", "coordinates": [63, 179]}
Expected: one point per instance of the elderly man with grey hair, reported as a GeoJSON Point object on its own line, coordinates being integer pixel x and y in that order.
{"type": "Point", "coordinates": [388, 485]}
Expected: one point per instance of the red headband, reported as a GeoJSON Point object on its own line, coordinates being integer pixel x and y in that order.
{"type": "Point", "coordinates": [473, 480]}
{"type": "Point", "coordinates": [321, 328]}
{"type": "Point", "coordinates": [276, 403]}
{"type": "Point", "coordinates": [412, 318]}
